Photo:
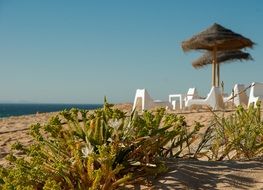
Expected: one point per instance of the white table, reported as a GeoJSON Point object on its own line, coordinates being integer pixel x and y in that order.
{"type": "Point", "coordinates": [180, 96]}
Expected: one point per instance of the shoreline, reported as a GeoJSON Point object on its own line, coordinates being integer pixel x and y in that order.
{"type": "Point", "coordinates": [19, 109]}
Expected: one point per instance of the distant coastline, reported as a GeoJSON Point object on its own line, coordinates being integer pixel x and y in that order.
{"type": "Point", "coordinates": [18, 109]}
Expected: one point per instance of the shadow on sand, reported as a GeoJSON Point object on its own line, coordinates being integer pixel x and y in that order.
{"type": "Point", "coordinates": [193, 174]}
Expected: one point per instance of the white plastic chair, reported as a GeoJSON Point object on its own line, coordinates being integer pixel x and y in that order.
{"type": "Point", "coordinates": [214, 99]}
{"type": "Point", "coordinates": [147, 102]}
{"type": "Point", "coordinates": [256, 93]}
{"type": "Point", "coordinates": [240, 96]}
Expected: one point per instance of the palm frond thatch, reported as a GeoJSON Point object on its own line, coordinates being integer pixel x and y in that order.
{"type": "Point", "coordinates": [222, 57]}
{"type": "Point", "coordinates": [219, 37]}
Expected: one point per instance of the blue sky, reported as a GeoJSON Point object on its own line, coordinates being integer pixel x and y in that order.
{"type": "Point", "coordinates": [78, 51]}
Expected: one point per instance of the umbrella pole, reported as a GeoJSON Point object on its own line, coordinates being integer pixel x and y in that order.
{"type": "Point", "coordinates": [214, 67]}
{"type": "Point", "coordinates": [213, 72]}
{"type": "Point", "coordinates": [217, 72]}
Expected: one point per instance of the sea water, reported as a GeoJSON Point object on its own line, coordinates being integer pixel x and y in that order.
{"type": "Point", "coordinates": [7, 110]}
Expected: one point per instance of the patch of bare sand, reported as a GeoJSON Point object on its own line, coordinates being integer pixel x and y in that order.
{"type": "Point", "coordinates": [182, 174]}
{"type": "Point", "coordinates": [16, 128]}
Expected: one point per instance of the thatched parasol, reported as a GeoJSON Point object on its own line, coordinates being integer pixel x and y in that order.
{"type": "Point", "coordinates": [222, 57]}
{"type": "Point", "coordinates": [216, 38]}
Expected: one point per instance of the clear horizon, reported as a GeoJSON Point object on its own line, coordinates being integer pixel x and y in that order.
{"type": "Point", "coordinates": [79, 52]}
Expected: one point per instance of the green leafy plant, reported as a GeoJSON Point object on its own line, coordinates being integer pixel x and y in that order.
{"type": "Point", "coordinates": [97, 150]}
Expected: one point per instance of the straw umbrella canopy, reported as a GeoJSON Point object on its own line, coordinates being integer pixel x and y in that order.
{"type": "Point", "coordinates": [216, 38]}
{"type": "Point", "coordinates": [222, 57]}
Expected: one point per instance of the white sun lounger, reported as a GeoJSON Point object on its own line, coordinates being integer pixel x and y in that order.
{"type": "Point", "coordinates": [256, 93]}
{"type": "Point", "coordinates": [214, 99]}
{"type": "Point", "coordinates": [143, 97]}
{"type": "Point", "coordinates": [239, 97]}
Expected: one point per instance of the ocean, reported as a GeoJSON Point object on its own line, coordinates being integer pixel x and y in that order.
{"type": "Point", "coordinates": [7, 110]}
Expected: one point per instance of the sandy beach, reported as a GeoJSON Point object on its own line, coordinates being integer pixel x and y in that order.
{"type": "Point", "coordinates": [182, 174]}
{"type": "Point", "coordinates": [191, 57]}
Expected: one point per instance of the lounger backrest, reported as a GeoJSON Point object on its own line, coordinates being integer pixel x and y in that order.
{"type": "Point", "coordinates": [143, 97]}
{"type": "Point", "coordinates": [215, 98]}
{"type": "Point", "coordinates": [241, 96]}
{"type": "Point", "coordinates": [211, 94]}
{"type": "Point", "coordinates": [192, 93]}
{"type": "Point", "coordinates": [143, 93]}
{"type": "Point", "coordinates": [257, 89]}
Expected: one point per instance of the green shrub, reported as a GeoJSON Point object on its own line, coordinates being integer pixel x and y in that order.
{"type": "Point", "coordinates": [98, 150]}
